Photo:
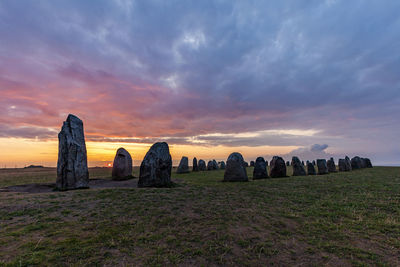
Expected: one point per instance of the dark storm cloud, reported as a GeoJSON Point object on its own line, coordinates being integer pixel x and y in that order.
{"type": "Point", "coordinates": [177, 69]}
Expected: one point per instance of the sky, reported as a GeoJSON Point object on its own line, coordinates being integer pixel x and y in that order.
{"type": "Point", "coordinates": [315, 79]}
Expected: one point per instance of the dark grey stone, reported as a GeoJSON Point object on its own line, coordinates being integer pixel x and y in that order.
{"type": "Point", "coordinates": [322, 166]}
{"type": "Point", "coordinates": [368, 163]}
{"type": "Point", "coordinates": [252, 163]}
{"type": "Point", "coordinates": [210, 165]}
{"type": "Point", "coordinates": [311, 169]}
{"type": "Point", "coordinates": [277, 167]}
{"type": "Point", "coordinates": [122, 166]}
{"type": "Point", "coordinates": [155, 170]}
{"type": "Point", "coordinates": [348, 163]}
{"type": "Point", "coordinates": [215, 165]}
{"type": "Point", "coordinates": [260, 169]}
{"type": "Point", "coordinates": [331, 165]}
{"type": "Point", "coordinates": [356, 163]}
{"type": "Point", "coordinates": [235, 170]}
{"type": "Point", "coordinates": [298, 167]}
{"type": "Point", "coordinates": [72, 169]}
{"type": "Point", "coordinates": [222, 165]}
{"type": "Point", "coordinates": [202, 165]}
{"type": "Point", "coordinates": [287, 163]}
{"type": "Point", "coordinates": [195, 167]}
{"type": "Point", "coordinates": [183, 165]}
{"type": "Point", "coordinates": [342, 165]}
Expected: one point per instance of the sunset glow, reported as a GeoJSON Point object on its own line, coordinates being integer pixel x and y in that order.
{"type": "Point", "coordinates": [208, 83]}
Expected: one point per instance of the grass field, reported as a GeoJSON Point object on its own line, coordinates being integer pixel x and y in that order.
{"type": "Point", "coordinates": [336, 219]}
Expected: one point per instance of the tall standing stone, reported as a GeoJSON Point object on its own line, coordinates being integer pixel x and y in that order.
{"type": "Point", "coordinates": [368, 163]}
{"type": "Point", "coordinates": [348, 163]}
{"type": "Point", "coordinates": [202, 165]}
{"type": "Point", "coordinates": [311, 169]}
{"type": "Point", "coordinates": [260, 169]}
{"type": "Point", "coordinates": [195, 168]}
{"type": "Point", "coordinates": [331, 165]}
{"type": "Point", "coordinates": [222, 165]}
{"type": "Point", "coordinates": [356, 163]}
{"type": "Point", "coordinates": [287, 163]}
{"type": "Point", "coordinates": [277, 167]}
{"type": "Point", "coordinates": [210, 165]}
{"type": "Point", "coordinates": [235, 170]}
{"type": "Point", "coordinates": [215, 165]}
{"type": "Point", "coordinates": [342, 165]}
{"type": "Point", "coordinates": [183, 165]}
{"type": "Point", "coordinates": [155, 170]}
{"type": "Point", "coordinates": [322, 166]}
{"type": "Point", "coordinates": [298, 167]}
{"type": "Point", "coordinates": [72, 169]}
{"type": "Point", "coordinates": [252, 163]}
{"type": "Point", "coordinates": [122, 166]}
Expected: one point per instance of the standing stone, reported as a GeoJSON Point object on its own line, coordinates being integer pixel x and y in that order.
{"type": "Point", "coordinates": [222, 165]}
{"type": "Point", "coordinates": [302, 163]}
{"type": "Point", "coordinates": [368, 163]}
{"type": "Point", "coordinates": [331, 165]}
{"type": "Point", "coordinates": [260, 169]}
{"type": "Point", "coordinates": [246, 164]}
{"type": "Point", "coordinates": [311, 169]}
{"type": "Point", "coordinates": [363, 163]}
{"type": "Point", "coordinates": [277, 167]}
{"type": "Point", "coordinates": [252, 163]}
{"type": "Point", "coordinates": [72, 169]}
{"type": "Point", "coordinates": [195, 167]}
{"type": "Point", "coordinates": [287, 163]}
{"type": "Point", "coordinates": [322, 166]}
{"type": "Point", "coordinates": [342, 165]}
{"type": "Point", "coordinates": [202, 165]}
{"type": "Point", "coordinates": [235, 170]}
{"type": "Point", "coordinates": [298, 167]}
{"type": "Point", "coordinates": [122, 166]}
{"type": "Point", "coordinates": [348, 163]}
{"type": "Point", "coordinates": [183, 165]}
{"type": "Point", "coordinates": [215, 165]}
{"type": "Point", "coordinates": [210, 165]}
{"type": "Point", "coordinates": [155, 170]}
{"type": "Point", "coordinates": [313, 162]}
{"type": "Point", "coordinates": [356, 163]}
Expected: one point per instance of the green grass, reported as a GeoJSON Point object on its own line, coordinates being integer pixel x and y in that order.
{"type": "Point", "coordinates": [336, 219]}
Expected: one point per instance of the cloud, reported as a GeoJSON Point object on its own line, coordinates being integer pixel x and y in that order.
{"type": "Point", "coordinates": [147, 70]}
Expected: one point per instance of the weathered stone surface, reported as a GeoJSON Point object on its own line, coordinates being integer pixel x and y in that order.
{"type": "Point", "coordinates": [122, 166]}
{"type": "Point", "coordinates": [195, 167]}
{"type": "Point", "coordinates": [313, 162]}
{"type": "Point", "coordinates": [215, 165]}
{"type": "Point", "coordinates": [298, 167]}
{"type": "Point", "coordinates": [252, 163]}
{"type": "Point", "coordinates": [235, 170]}
{"type": "Point", "coordinates": [348, 163]}
{"type": "Point", "coordinates": [202, 165]}
{"type": "Point", "coordinates": [287, 163]}
{"type": "Point", "coordinates": [363, 163]}
{"type": "Point", "coordinates": [183, 165]}
{"type": "Point", "coordinates": [311, 169]}
{"type": "Point", "coordinates": [222, 165]}
{"type": "Point", "coordinates": [302, 163]}
{"type": "Point", "coordinates": [342, 165]}
{"type": "Point", "coordinates": [155, 170]}
{"type": "Point", "coordinates": [368, 163]}
{"type": "Point", "coordinates": [277, 167]}
{"type": "Point", "coordinates": [356, 163]}
{"type": "Point", "coordinates": [72, 169]}
{"type": "Point", "coordinates": [210, 165]}
{"type": "Point", "coordinates": [322, 166]}
{"type": "Point", "coordinates": [260, 169]}
{"type": "Point", "coordinates": [331, 165]}
{"type": "Point", "coordinates": [246, 164]}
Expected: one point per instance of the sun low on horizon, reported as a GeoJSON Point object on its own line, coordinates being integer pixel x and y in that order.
{"type": "Point", "coordinates": [259, 78]}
